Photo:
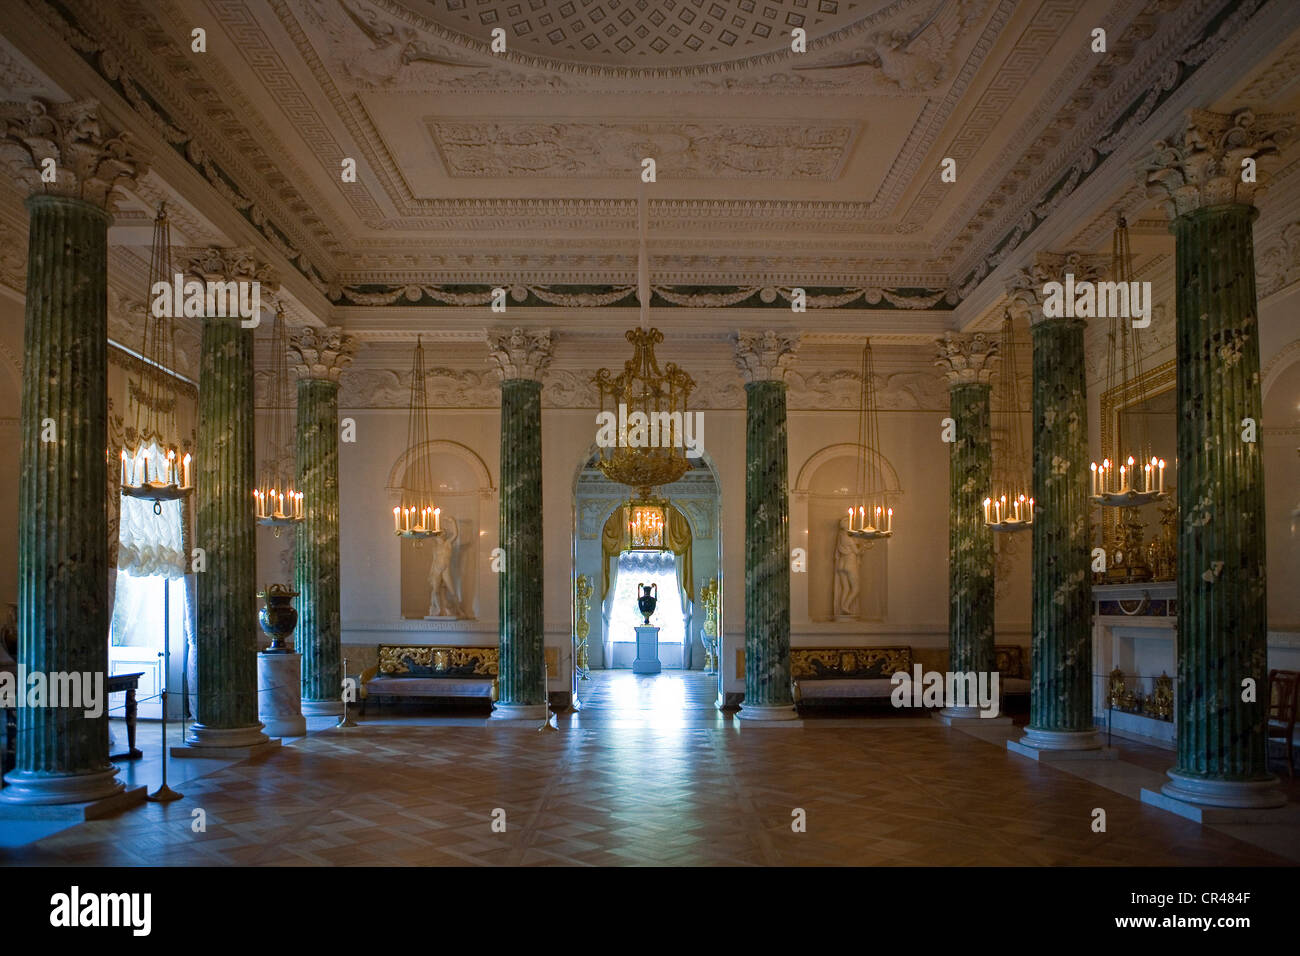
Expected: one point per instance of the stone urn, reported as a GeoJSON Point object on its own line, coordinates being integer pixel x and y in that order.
{"type": "Point", "coordinates": [278, 617]}
{"type": "Point", "coordinates": [648, 600]}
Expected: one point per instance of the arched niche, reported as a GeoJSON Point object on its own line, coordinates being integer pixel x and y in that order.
{"type": "Point", "coordinates": [463, 490]}
{"type": "Point", "coordinates": [824, 490]}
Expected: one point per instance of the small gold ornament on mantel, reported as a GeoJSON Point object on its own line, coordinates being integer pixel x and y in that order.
{"type": "Point", "coordinates": [709, 598]}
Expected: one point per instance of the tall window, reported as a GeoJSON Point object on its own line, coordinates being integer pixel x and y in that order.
{"type": "Point", "coordinates": [150, 577]}
{"type": "Point", "coordinates": [647, 567]}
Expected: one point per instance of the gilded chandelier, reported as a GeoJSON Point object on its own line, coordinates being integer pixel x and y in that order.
{"type": "Point", "coordinates": [651, 400]}
{"type": "Point", "coordinates": [153, 465]}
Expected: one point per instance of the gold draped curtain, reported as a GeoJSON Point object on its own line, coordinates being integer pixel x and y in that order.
{"type": "Point", "coordinates": [677, 536]}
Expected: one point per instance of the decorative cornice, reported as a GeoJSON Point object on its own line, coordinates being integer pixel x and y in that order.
{"type": "Point", "coordinates": [967, 359]}
{"type": "Point", "coordinates": [1025, 290]}
{"type": "Point", "coordinates": [321, 353]}
{"type": "Point", "coordinates": [1214, 33]}
{"type": "Point", "coordinates": [1205, 169]}
{"type": "Point", "coordinates": [589, 296]}
{"type": "Point", "coordinates": [519, 353]}
{"type": "Point", "coordinates": [765, 356]}
{"type": "Point", "coordinates": [89, 162]}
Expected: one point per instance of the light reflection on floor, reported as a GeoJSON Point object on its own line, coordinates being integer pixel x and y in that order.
{"type": "Point", "coordinates": [672, 698]}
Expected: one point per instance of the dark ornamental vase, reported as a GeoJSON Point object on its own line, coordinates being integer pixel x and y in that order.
{"type": "Point", "coordinates": [647, 601]}
{"type": "Point", "coordinates": [278, 617]}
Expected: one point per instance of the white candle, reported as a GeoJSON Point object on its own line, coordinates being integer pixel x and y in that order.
{"type": "Point", "coordinates": [124, 468]}
{"type": "Point", "coordinates": [437, 519]}
{"type": "Point", "coordinates": [1094, 477]}
{"type": "Point", "coordinates": [185, 464]}
{"type": "Point", "coordinates": [987, 503]}
{"type": "Point", "coordinates": [850, 519]}
{"type": "Point", "coordinates": [1162, 475]}
{"type": "Point", "coordinates": [890, 517]}
{"type": "Point", "coordinates": [145, 468]}
{"type": "Point", "coordinates": [1031, 510]}
{"type": "Point", "coordinates": [997, 510]}
{"type": "Point", "coordinates": [397, 520]}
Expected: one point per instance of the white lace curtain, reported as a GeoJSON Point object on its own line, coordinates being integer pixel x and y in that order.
{"type": "Point", "coordinates": [150, 543]}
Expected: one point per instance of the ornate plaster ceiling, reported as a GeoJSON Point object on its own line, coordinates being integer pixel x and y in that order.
{"type": "Point", "coordinates": [520, 169]}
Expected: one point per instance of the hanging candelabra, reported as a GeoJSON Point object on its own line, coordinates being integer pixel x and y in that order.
{"type": "Point", "coordinates": [871, 517]}
{"type": "Point", "coordinates": [153, 463]}
{"type": "Point", "coordinates": [278, 503]}
{"type": "Point", "coordinates": [1010, 507]}
{"type": "Point", "coordinates": [416, 515]}
{"type": "Point", "coordinates": [1136, 477]}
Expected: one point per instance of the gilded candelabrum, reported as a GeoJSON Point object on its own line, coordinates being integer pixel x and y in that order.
{"type": "Point", "coordinates": [709, 597]}
{"type": "Point", "coordinates": [582, 592]}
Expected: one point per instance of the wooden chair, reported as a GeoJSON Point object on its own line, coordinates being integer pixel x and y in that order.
{"type": "Point", "coordinates": [1282, 693]}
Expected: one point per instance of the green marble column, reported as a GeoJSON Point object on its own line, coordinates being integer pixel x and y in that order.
{"type": "Point", "coordinates": [224, 525]}
{"type": "Point", "coordinates": [62, 751]}
{"type": "Point", "coordinates": [763, 358]}
{"type": "Point", "coordinates": [319, 356]}
{"type": "Point", "coordinates": [521, 358]}
{"type": "Point", "coordinates": [968, 365]}
{"type": "Point", "coordinates": [1060, 705]}
{"type": "Point", "coordinates": [1222, 611]}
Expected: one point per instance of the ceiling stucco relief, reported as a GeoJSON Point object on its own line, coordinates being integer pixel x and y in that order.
{"type": "Point", "coordinates": [524, 148]}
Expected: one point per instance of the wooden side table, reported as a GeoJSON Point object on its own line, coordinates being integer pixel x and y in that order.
{"type": "Point", "coordinates": [127, 683]}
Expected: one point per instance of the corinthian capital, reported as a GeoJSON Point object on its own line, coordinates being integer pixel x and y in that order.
{"type": "Point", "coordinates": [1205, 169]}
{"type": "Point", "coordinates": [1027, 288]}
{"type": "Point", "coordinates": [235, 264]}
{"type": "Point", "coordinates": [967, 359]}
{"type": "Point", "coordinates": [321, 353]}
{"type": "Point", "coordinates": [88, 162]}
{"type": "Point", "coordinates": [519, 353]}
{"type": "Point", "coordinates": [765, 356]}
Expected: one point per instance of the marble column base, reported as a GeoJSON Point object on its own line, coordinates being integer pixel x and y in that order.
{"type": "Point", "coordinates": [321, 708]}
{"type": "Point", "coordinates": [228, 743]}
{"type": "Point", "coordinates": [79, 812]}
{"type": "Point", "coordinates": [532, 713]}
{"type": "Point", "coordinates": [767, 712]}
{"type": "Point", "coordinates": [1059, 745]}
{"type": "Point", "coordinates": [1218, 801]}
{"type": "Point", "coordinates": [24, 787]}
{"type": "Point", "coordinates": [960, 715]}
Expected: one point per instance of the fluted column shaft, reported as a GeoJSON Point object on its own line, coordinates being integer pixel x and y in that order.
{"type": "Point", "coordinates": [1061, 689]}
{"type": "Point", "coordinates": [763, 358]}
{"type": "Point", "coordinates": [316, 560]}
{"type": "Point", "coordinates": [1222, 614]}
{"type": "Point", "coordinates": [72, 167]}
{"type": "Point", "coordinates": [520, 358]}
{"type": "Point", "coordinates": [767, 547]}
{"type": "Point", "coordinates": [970, 542]}
{"type": "Point", "coordinates": [62, 521]}
{"type": "Point", "coordinates": [522, 663]}
{"type": "Point", "coordinates": [1060, 703]}
{"type": "Point", "coordinates": [1208, 180]}
{"type": "Point", "coordinates": [224, 528]}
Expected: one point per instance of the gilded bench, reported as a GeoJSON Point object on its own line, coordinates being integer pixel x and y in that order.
{"type": "Point", "coordinates": [836, 674]}
{"type": "Point", "coordinates": [422, 670]}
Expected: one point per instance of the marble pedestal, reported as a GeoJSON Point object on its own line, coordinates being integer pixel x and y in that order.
{"type": "Point", "coordinates": [278, 686]}
{"type": "Point", "coordinates": [1057, 745]}
{"type": "Point", "coordinates": [1218, 801]}
{"type": "Point", "coordinates": [647, 651]}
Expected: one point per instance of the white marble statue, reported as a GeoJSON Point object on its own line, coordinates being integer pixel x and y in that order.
{"type": "Point", "coordinates": [848, 572]}
{"type": "Point", "coordinates": [442, 572]}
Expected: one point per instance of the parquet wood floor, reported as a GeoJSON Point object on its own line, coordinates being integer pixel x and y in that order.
{"type": "Point", "coordinates": [876, 792]}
